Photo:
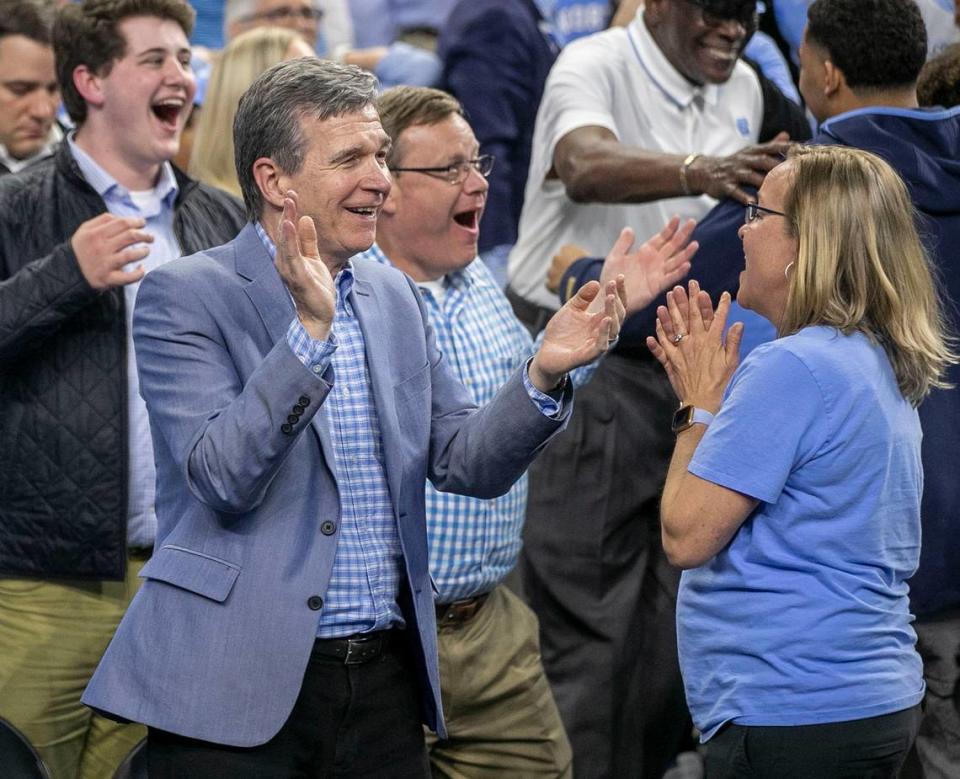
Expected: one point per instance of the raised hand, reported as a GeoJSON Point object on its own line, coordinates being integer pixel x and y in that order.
{"type": "Point", "coordinates": [722, 177]}
{"type": "Point", "coordinates": [657, 263]}
{"type": "Point", "coordinates": [576, 335]}
{"type": "Point", "coordinates": [105, 244]}
{"type": "Point", "coordinates": [304, 273]}
{"type": "Point", "coordinates": [678, 295]}
{"type": "Point", "coordinates": [698, 362]}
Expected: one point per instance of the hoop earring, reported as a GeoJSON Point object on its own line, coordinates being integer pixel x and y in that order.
{"type": "Point", "coordinates": [786, 271]}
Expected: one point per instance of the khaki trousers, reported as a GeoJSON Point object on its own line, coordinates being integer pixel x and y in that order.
{"type": "Point", "coordinates": [52, 634]}
{"type": "Point", "coordinates": [501, 717]}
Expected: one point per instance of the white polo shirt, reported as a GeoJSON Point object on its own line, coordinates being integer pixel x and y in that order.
{"type": "Point", "coordinates": [619, 79]}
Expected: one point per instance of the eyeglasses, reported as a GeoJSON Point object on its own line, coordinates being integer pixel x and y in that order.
{"type": "Point", "coordinates": [285, 13]}
{"type": "Point", "coordinates": [458, 171]}
{"type": "Point", "coordinates": [716, 12]}
{"type": "Point", "coordinates": [754, 209]}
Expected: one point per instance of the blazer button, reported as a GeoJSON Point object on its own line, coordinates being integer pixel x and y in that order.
{"type": "Point", "coordinates": [315, 602]}
{"type": "Point", "coordinates": [303, 400]}
{"type": "Point", "coordinates": [297, 409]}
{"type": "Point", "coordinates": [286, 428]}
{"type": "Point", "coordinates": [328, 528]}
{"type": "Point", "coordinates": [293, 419]}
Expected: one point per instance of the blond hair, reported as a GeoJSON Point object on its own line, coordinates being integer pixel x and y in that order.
{"type": "Point", "coordinates": [236, 68]}
{"type": "Point", "coordinates": [861, 265]}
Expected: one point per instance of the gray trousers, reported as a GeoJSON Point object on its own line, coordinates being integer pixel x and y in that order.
{"type": "Point", "coordinates": [594, 572]}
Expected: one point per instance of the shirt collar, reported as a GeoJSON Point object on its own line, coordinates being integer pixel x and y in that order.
{"type": "Point", "coordinates": [15, 165]}
{"type": "Point", "coordinates": [107, 186]}
{"type": "Point", "coordinates": [664, 75]}
{"type": "Point", "coordinates": [459, 280]}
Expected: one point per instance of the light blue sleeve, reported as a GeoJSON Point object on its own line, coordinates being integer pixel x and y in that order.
{"type": "Point", "coordinates": [406, 65]}
{"type": "Point", "coordinates": [772, 419]}
{"type": "Point", "coordinates": [764, 51]}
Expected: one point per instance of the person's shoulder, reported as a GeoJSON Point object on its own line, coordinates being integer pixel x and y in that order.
{"type": "Point", "coordinates": [26, 186]}
{"type": "Point", "coordinates": [743, 84]}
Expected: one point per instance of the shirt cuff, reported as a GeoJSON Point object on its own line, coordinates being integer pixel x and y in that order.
{"type": "Point", "coordinates": [315, 355]}
{"type": "Point", "coordinates": [550, 407]}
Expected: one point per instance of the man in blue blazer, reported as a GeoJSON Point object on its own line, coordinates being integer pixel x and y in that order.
{"type": "Point", "coordinates": [298, 402]}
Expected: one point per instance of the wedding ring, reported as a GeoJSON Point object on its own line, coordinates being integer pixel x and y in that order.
{"type": "Point", "coordinates": [678, 338]}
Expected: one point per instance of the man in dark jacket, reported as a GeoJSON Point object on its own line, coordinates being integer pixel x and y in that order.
{"type": "Point", "coordinates": [77, 233]}
{"type": "Point", "coordinates": [29, 95]}
{"type": "Point", "coordinates": [859, 65]}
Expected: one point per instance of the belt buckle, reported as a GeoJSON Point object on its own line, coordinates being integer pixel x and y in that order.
{"type": "Point", "coordinates": [362, 650]}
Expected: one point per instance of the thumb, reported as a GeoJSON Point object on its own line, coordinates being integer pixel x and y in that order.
{"type": "Point", "coordinates": [732, 345]}
{"type": "Point", "coordinates": [623, 243]}
{"type": "Point", "coordinates": [585, 295]}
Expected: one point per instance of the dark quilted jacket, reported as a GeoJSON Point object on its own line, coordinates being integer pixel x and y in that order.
{"type": "Point", "coordinates": [63, 404]}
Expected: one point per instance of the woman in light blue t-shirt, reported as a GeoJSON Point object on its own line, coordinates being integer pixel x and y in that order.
{"type": "Point", "coordinates": [793, 495]}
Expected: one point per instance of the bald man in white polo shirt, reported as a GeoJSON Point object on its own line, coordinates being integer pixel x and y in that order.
{"type": "Point", "coordinates": [636, 124]}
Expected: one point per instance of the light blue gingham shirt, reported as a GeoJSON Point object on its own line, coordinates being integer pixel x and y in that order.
{"type": "Point", "coordinates": [367, 569]}
{"type": "Point", "coordinates": [156, 208]}
{"type": "Point", "coordinates": [474, 543]}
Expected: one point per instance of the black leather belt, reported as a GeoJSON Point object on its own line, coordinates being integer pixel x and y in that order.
{"type": "Point", "coordinates": [359, 649]}
{"type": "Point", "coordinates": [460, 612]}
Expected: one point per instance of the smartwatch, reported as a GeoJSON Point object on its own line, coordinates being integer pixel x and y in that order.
{"type": "Point", "coordinates": [688, 416]}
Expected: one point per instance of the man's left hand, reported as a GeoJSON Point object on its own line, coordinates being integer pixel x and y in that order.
{"type": "Point", "coordinates": [576, 335]}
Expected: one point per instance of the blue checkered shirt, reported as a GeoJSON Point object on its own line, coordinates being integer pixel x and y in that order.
{"type": "Point", "coordinates": [367, 570]}
{"type": "Point", "coordinates": [474, 543]}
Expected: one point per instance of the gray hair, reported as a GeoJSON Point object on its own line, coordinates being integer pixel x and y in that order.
{"type": "Point", "coordinates": [268, 117]}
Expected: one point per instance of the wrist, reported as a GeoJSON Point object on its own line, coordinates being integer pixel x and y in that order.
{"type": "Point", "coordinates": [545, 381]}
{"type": "Point", "coordinates": [687, 186]}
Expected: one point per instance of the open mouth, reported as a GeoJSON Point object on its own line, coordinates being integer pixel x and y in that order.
{"type": "Point", "coordinates": [365, 211]}
{"type": "Point", "coordinates": [468, 219]}
{"type": "Point", "coordinates": [168, 111]}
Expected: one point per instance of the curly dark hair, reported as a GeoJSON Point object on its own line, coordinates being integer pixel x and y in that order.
{"type": "Point", "coordinates": [32, 19]}
{"type": "Point", "coordinates": [878, 44]}
{"type": "Point", "coordinates": [939, 82]}
{"type": "Point", "coordinates": [86, 34]}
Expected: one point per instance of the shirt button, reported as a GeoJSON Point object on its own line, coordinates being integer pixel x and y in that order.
{"type": "Point", "coordinates": [286, 428]}
{"type": "Point", "coordinates": [303, 400]}
{"type": "Point", "coordinates": [328, 528]}
{"type": "Point", "coordinates": [317, 369]}
{"type": "Point", "coordinates": [315, 602]}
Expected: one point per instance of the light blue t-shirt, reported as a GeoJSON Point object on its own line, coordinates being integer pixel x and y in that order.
{"type": "Point", "coordinates": [804, 618]}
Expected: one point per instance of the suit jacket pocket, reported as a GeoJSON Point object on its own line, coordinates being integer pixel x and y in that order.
{"type": "Point", "coordinates": [202, 574]}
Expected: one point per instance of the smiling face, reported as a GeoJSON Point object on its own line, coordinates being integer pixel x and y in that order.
{"type": "Point", "coordinates": [768, 249]}
{"type": "Point", "coordinates": [430, 227]}
{"type": "Point", "coordinates": [703, 47]}
{"type": "Point", "coordinates": [138, 110]}
{"type": "Point", "coordinates": [343, 180]}
{"type": "Point", "coordinates": [28, 95]}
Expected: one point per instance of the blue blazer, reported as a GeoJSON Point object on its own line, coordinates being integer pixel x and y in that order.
{"type": "Point", "coordinates": [215, 644]}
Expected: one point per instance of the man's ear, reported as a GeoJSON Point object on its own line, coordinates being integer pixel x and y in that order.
{"type": "Point", "coordinates": [89, 85]}
{"type": "Point", "coordinates": [833, 79]}
{"type": "Point", "coordinates": [271, 181]}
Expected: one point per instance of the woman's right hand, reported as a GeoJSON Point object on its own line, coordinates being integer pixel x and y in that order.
{"type": "Point", "coordinates": [691, 347]}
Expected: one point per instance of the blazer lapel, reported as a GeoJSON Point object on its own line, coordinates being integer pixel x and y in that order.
{"type": "Point", "coordinates": [275, 308]}
{"type": "Point", "coordinates": [376, 339]}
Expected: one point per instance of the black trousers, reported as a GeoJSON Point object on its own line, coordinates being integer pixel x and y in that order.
{"type": "Point", "coordinates": [594, 571]}
{"type": "Point", "coordinates": [872, 748]}
{"type": "Point", "coordinates": [348, 721]}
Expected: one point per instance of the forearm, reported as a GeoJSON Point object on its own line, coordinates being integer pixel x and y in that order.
{"type": "Point", "coordinates": [36, 300]}
{"type": "Point", "coordinates": [607, 171]}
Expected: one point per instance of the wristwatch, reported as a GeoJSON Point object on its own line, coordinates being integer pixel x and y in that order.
{"type": "Point", "coordinates": [688, 416]}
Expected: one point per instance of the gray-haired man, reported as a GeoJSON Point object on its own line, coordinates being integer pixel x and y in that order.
{"type": "Point", "coordinates": [298, 403]}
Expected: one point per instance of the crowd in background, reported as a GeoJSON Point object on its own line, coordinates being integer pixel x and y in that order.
{"type": "Point", "coordinates": [544, 172]}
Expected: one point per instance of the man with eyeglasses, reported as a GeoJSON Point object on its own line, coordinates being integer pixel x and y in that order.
{"type": "Point", "coordinates": [636, 124]}
{"type": "Point", "coordinates": [501, 716]}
